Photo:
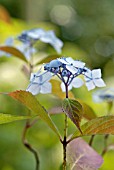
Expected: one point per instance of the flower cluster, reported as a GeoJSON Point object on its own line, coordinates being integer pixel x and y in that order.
{"type": "Point", "coordinates": [67, 70]}
{"type": "Point", "coordinates": [106, 94]}
{"type": "Point", "coordinates": [30, 37]}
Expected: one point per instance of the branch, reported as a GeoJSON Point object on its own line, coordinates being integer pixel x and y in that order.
{"type": "Point", "coordinates": [26, 143]}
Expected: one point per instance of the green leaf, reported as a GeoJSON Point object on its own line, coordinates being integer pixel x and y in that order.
{"type": "Point", "coordinates": [88, 112]}
{"type": "Point", "coordinates": [7, 118]}
{"type": "Point", "coordinates": [13, 51]}
{"type": "Point", "coordinates": [30, 101]}
{"type": "Point", "coordinates": [48, 59]}
{"type": "Point", "coordinates": [100, 125]}
{"type": "Point", "coordinates": [73, 110]}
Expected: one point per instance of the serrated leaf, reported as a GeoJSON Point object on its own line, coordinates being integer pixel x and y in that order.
{"type": "Point", "coordinates": [88, 112]}
{"type": "Point", "coordinates": [13, 51]}
{"type": "Point", "coordinates": [82, 157]}
{"type": "Point", "coordinates": [30, 101]}
{"type": "Point", "coordinates": [7, 118]}
{"type": "Point", "coordinates": [73, 110]}
{"type": "Point", "coordinates": [48, 59]}
{"type": "Point", "coordinates": [56, 90]}
{"type": "Point", "coordinates": [97, 126]}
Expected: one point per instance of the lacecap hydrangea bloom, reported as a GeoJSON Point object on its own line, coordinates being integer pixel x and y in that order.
{"type": "Point", "coordinates": [68, 71]}
{"type": "Point", "coordinates": [28, 38]}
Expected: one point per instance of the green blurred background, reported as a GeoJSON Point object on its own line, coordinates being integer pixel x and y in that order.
{"type": "Point", "coordinates": [87, 29]}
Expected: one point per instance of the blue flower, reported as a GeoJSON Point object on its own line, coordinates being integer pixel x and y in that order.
{"type": "Point", "coordinates": [26, 50]}
{"type": "Point", "coordinates": [31, 36]}
{"type": "Point", "coordinates": [72, 65]}
{"type": "Point", "coordinates": [106, 94]}
{"type": "Point", "coordinates": [39, 83]}
{"type": "Point", "coordinates": [93, 79]}
{"type": "Point", "coordinates": [68, 71]}
{"type": "Point", "coordinates": [9, 42]}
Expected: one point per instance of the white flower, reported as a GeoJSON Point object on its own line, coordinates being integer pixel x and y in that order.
{"type": "Point", "coordinates": [76, 82]}
{"type": "Point", "coordinates": [39, 83]}
{"type": "Point", "coordinates": [72, 65]}
{"type": "Point", "coordinates": [106, 94]}
{"type": "Point", "coordinates": [93, 79]}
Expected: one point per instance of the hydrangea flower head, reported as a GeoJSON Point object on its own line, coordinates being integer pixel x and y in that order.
{"type": "Point", "coordinates": [31, 36]}
{"type": "Point", "coordinates": [68, 71]}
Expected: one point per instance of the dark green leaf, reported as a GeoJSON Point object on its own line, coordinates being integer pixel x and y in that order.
{"type": "Point", "coordinates": [30, 101]}
{"type": "Point", "coordinates": [73, 110]}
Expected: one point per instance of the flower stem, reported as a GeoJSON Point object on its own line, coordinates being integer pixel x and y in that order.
{"type": "Point", "coordinates": [106, 137]}
{"type": "Point", "coordinates": [105, 144]}
{"type": "Point", "coordinates": [27, 145]}
{"type": "Point", "coordinates": [65, 136]}
{"type": "Point", "coordinates": [91, 140]}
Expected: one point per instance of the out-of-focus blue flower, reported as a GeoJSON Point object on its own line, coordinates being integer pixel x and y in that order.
{"type": "Point", "coordinates": [93, 79]}
{"type": "Point", "coordinates": [26, 50]}
{"type": "Point", "coordinates": [9, 42]}
{"type": "Point", "coordinates": [106, 94]}
{"type": "Point", "coordinates": [31, 36]}
{"type": "Point", "coordinates": [24, 38]}
{"type": "Point", "coordinates": [49, 37]}
{"type": "Point", "coordinates": [36, 33]}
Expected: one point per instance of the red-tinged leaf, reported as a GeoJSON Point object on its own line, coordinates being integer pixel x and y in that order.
{"type": "Point", "coordinates": [56, 90]}
{"type": "Point", "coordinates": [88, 112]}
{"type": "Point", "coordinates": [82, 157]}
{"type": "Point", "coordinates": [73, 110]}
{"type": "Point", "coordinates": [7, 118]}
{"type": "Point", "coordinates": [48, 59]}
{"type": "Point", "coordinates": [30, 101]}
{"type": "Point", "coordinates": [13, 51]}
{"type": "Point", "coordinates": [97, 126]}
{"type": "Point", "coordinates": [4, 14]}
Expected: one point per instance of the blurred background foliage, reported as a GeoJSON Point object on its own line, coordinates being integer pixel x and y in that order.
{"type": "Point", "coordinates": [87, 30]}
